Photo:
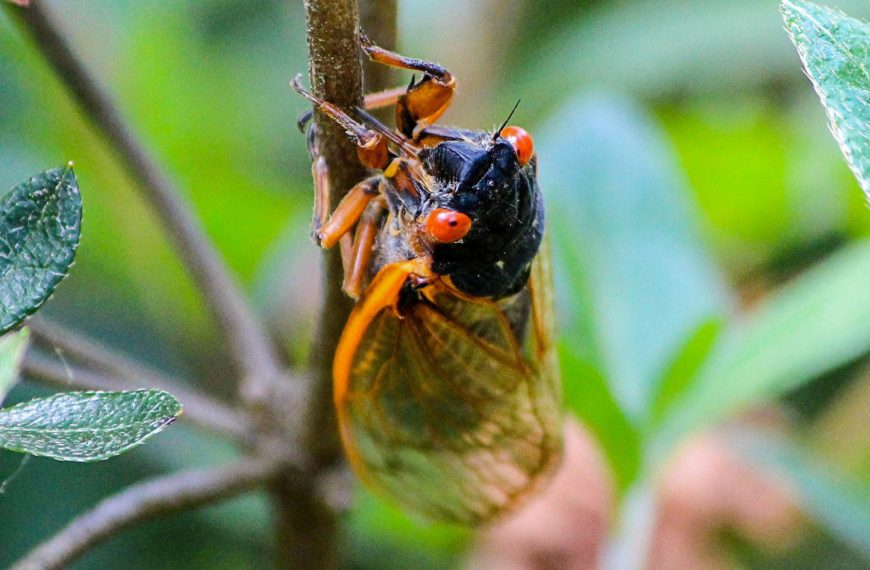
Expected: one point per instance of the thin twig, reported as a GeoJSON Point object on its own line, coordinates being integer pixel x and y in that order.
{"type": "Point", "coordinates": [96, 355]}
{"type": "Point", "coordinates": [249, 345]}
{"type": "Point", "coordinates": [198, 409]}
{"type": "Point", "coordinates": [162, 496]}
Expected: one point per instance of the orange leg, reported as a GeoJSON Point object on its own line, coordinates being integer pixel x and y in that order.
{"type": "Point", "coordinates": [371, 145]}
{"type": "Point", "coordinates": [371, 102]}
{"type": "Point", "coordinates": [322, 192]}
{"type": "Point", "coordinates": [348, 212]}
{"type": "Point", "coordinates": [345, 246]}
{"type": "Point", "coordinates": [403, 177]}
{"type": "Point", "coordinates": [382, 99]}
{"type": "Point", "coordinates": [364, 241]}
{"type": "Point", "coordinates": [425, 101]}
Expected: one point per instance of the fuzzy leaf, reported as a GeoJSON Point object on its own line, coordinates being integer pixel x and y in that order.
{"type": "Point", "coordinates": [86, 426]}
{"type": "Point", "coordinates": [40, 226]}
{"type": "Point", "coordinates": [835, 50]}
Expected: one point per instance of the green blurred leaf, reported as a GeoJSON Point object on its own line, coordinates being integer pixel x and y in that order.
{"type": "Point", "coordinates": [86, 426]}
{"type": "Point", "coordinates": [635, 279]}
{"type": "Point", "coordinates": [841, 504]}
{"type": "Point", "coordinates": [835, 50]}
{"type": "Point", "coordinates": [588, 396]}
{"type": "Point", "coordinates": [685, 366]}
{"type": "Point", "coordinates": [734, 155]}
{"type": "Point", "coordinates": [40, 225]}
{"type": "Point", "coordinates": [384, 536]}
{"type": "Point", "coordinates": [12, 348]}
{"type": "Point", "coordinates": [655, 49]}
{"type": "Point", "coordinates": [812, 325]}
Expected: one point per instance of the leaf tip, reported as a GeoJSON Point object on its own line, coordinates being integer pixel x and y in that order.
{"type": "Point", "coordinates": [788, 9]}
{"type": "Point", "coordinates": [176, 409]}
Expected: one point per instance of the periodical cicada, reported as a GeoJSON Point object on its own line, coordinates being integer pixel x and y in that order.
{"type": "Point", "coordinates": [445, 381]}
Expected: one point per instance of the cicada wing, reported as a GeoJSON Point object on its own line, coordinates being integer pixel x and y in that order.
{"type": "Point", "coordinates": [446, 414]}
{"type": "Point", "coordinates": [543, 301]}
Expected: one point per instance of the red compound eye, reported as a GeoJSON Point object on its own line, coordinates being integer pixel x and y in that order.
{"type": "Point", "coordinates": [447, 226]}
{"type": "Point", "coordinates": [521, 140]}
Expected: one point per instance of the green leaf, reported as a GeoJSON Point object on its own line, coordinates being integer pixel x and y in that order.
{"type": "Point", "coordinates": [635, 278]}
{"type": "Point", "coordinates": [653, 49]}
{"type": "Point", "coordinates": [816, 323]}
{"type": "Point", "coordinates": [12, 348]}
{"type": "Point", "coordinates": [835, 50]}
{"type": "Point", "coordinates": [40, 226]}
{"type": "Point", "coordinates": [86, 426]}
{"type": "Point", "coordinates": [384, 532]}
{"type": "Point", "coordinates": [587, 395]}
{"type": "Point", "coordinates": [841, 504]}
{"type": "Point", "coordinates": [684, 367]}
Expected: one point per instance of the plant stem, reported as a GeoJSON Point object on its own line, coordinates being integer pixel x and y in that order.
{"type": "Point", "coordinates": [249, 345]}
{"type": "Point", "coordinates": [162, 496]}
{"type": "Point", "coordinates": [308, 529]}
{"type": "Point", "coordinates": [198, 409]}
{"type": "Point", "coordinates": [336, 76]}
{"type": "Point", "coordinates": [124, 373]}
{"type": "Point", "coordinates": [93, 353]}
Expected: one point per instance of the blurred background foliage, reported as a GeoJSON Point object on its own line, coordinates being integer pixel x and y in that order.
{"type": "Point", "coordinates": [685, 159]}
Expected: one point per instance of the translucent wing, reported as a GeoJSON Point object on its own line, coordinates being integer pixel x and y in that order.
{"type": "Point", "coordinates": [453, 409]}
{"type": "Point", "coordinates": [543, 340]}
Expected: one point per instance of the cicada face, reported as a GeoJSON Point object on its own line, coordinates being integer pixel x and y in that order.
{"type": "Point", "coordinates": [482, 178]}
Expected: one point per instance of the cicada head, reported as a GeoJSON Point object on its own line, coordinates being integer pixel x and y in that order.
{"type": "Point", "coordinates": [483, 216]}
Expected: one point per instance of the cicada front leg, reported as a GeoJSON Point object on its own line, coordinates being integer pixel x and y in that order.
{"type": "Point", "coordinates": [371, 102]}
{"type": "Point", "coordinates": [364, 206]}
{"type": "Point", "coordinates": [371, 145]}
{"type": "Point", "coordinates": [424, 101]}
{"type": "Point", "coordinates": [348, 211]}
{"type": "Point", "coordinates": [328, 229]}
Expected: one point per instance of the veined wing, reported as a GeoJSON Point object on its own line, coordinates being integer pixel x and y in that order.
{"type": "Point", "coordinates": [446, 410]}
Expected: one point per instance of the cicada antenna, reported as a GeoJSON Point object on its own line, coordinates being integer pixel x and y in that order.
{"type": "Point", "coordinates": [506, 121]}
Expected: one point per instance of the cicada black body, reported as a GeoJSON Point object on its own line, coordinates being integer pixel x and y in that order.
{"type": "Point", "coordinates": [445, 380]}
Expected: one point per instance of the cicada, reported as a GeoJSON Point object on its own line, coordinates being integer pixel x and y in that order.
{"type": "Point", "coordinates": [445, 382]}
